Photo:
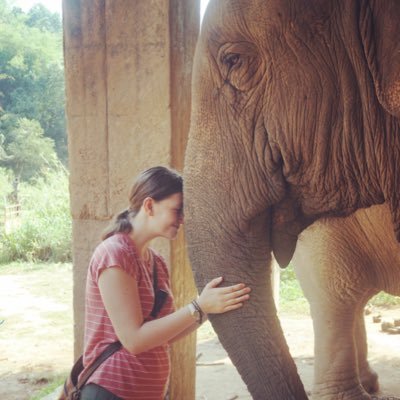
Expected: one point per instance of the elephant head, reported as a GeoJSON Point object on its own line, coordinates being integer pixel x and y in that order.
{"type": "Point", "coordinates": [295, 116]}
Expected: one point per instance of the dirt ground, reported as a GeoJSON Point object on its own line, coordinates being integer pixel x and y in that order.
{"type": "Point", "coordinates": [217, 378]}
{"type": "Point", "coordinates": [33, 348]}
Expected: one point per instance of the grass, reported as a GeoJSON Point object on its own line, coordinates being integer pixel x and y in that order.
{"type": "Point", "coordinates": [292, 299]}
{"type": "Point", "coordinates": [383, 299]}
{"type": "Point", "coordinates": [50, 388]}
{"type": "Point", "coordinates": [42, 229]}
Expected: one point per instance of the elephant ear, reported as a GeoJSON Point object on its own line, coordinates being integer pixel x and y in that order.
{"type": "Point", "coordinates": [380, 33]}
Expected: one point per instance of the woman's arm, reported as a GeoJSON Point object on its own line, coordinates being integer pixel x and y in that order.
{"type": "Point", "coordinates": [189, 330]}
{"type": "Point", "coordinates": [186, 332]}
{"type": "Point", "coordinates": [120, 295]}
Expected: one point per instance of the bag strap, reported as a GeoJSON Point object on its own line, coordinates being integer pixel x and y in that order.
{"type": "Point", "coordinates": [156, 305]}
{"type": "Point", "coordinates": [107, 352]}
{"type": "Point", "coordinates": [112, 347]}
{"type": "Point", "coordinates": [155, 275]}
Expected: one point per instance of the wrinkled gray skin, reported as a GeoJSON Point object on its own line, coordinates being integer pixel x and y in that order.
{"type": "Point", "coordinates": [295, 117]}
{"type": "Point", "coordinates": [341, 263]}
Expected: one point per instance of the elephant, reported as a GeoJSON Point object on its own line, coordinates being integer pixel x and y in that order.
{"type": "Point", "coordinates": [340, 264]}
{"type": "Point", "coordinates": [294, 131]}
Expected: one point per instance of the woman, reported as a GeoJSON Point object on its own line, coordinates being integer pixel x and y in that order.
{"type": "Point", "coordinates": [123, 276]}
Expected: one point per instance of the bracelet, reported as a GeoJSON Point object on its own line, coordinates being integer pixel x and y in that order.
{"type": "Point", "coordinates": [199, 310]}
{"type": "Point", "coordinates": [204, 315]}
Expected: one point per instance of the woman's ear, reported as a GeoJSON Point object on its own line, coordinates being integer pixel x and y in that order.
{"type": "Point", "coordinates": [148, 206]}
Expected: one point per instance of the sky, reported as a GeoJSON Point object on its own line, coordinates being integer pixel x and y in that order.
{"type": "Point", "coordinates": [52, 5]}
{"type": "Point", "coordinates": [55, 5]}
{"type": "Point", "coordinates": [203, 6]}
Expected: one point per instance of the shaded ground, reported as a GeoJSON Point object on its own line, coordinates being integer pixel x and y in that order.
{"type": "Point", "coordinates": [36, 341]}
{"type": "Point", "coordinates": [36, 335]}
{"type": "Point", "coordinates": [220, 381]}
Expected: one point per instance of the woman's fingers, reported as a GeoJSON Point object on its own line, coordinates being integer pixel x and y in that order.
{"type": "Point", "coordinates": [233, 288]}
{"type": "Point", "coordinates": [232, 307]}
{"type": "Point", "coordinates": [233, 301]}
{"type": "Point", "coordinates": [228, 289]}
{"type": "Point", "coordinates": [236, 300]}
{"type": "Point", "coordinates": [239, 291]}
{"type": "Point", "coordinates": [240, 294]}
{"type": "Point", "coordinates": [214, 299]}
{"type": "Point", "coordinates": [243, 297]}
{"type": "Point", "coordinates": [215, 282]}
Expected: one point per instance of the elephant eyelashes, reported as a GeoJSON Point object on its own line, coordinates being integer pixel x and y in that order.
{"type": "Point", "coordinates": [228, 59]}
{"type": "Point", "coordinates": [240, 65]}
{"type": "Point", "coordinates": [228, 64]}
{"type": "Point", "coordinates": [231, 59]}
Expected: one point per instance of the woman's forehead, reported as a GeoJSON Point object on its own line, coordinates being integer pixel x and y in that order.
{"type": "Point", "coordinates": [176, 199]}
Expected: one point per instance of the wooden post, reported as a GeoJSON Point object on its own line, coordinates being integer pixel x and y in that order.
{"type": "Point", "coordinates": [128, 73]}
{"type": "Point", "coordinates": [184, 28]}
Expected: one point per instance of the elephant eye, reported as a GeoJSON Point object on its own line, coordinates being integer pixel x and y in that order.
{"type": "Point", "coordinates": [231, 59]}
{"type": "Point", "coordinates": [239, 65]}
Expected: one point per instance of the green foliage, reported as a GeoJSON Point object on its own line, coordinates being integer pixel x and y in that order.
{"type": "Point", "coordinates": [5, 185]}
{"type": "Point", "coordinates": [31, 65]}
{"type": "Point", "coordinates": [40, 17]}
{"type": "Point", "coordinates": [288, 274]}
{"type": "Point", "coordinates": [33, 134]}
{"type": "Point", "coordinates": [54, 383]}
{"type": "Point", "coordinates": [29, 153]}
{"type": "Point", "coordinates": [3, 154]}
{"type": "Point", "coordinates": [45, 227]}
{"type": "Point", "coordinates": [292, 299]}
{"type": "Point", "coordinates": [384, 299]}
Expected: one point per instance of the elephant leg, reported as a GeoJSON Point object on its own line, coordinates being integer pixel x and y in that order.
{"type": "Point", "coordinates": [368, 377]}
{"type": "Point", "coordinates": [336, 370]}
{"type": "Point", "coordinates": [333, 303]}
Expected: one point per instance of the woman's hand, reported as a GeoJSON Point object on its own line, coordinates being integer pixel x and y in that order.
{"type": "Point", "coordinates": [216, 300]}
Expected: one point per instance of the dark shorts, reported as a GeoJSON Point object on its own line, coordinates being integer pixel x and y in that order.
{"type": "Point", "coordinates": [96, 392]}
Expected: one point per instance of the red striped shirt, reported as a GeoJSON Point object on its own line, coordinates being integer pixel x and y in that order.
{"type": "Point", "coordinates": [132, 377]}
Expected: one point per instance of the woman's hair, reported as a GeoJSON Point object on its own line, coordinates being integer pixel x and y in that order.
{"type": "Point", "coordinates": [157, 183]}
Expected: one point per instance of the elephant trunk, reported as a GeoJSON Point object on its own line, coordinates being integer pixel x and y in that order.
{"type": "Point", "coordinates": [252, 335]}
{"type": "Point", "coordinates": [255, 343]}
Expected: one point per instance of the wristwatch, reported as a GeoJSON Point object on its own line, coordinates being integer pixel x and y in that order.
{"type": "Point", "coordinates": [194, 312]}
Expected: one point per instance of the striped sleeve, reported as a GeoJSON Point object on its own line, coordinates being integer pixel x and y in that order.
{"type": "Point", "coordinates": [112, 253]}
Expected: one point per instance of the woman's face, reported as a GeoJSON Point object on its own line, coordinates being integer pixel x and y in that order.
{"type": "Point", "coordinates": [168, 215]}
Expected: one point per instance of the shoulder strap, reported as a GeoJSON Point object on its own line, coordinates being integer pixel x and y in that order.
{"type": "Point", "coordinates": [112, 347]}
{"type": "Point", "coordinates": [155, 273]}
{"type": "Point", "coordinates": [107, 352]}
{"type": "Point", "coordinates": [156, 304]}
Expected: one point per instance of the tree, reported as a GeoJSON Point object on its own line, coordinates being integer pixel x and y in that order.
{"type": "Point", "coordinates": [46, 105]}
{"type": "Point", "coordinates": [30, 154]}
{"type": "Point", "coordinates": [3, 154]}
{"type": "Point", "coordinates": [40, 17]}
{"type": "Point", "coordinates": [31, 70]}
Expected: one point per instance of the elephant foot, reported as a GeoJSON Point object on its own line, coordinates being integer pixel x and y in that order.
{"type": "Point", "coordinates": [384, 398]}
{"type": "Point", "coordinates": [332, 393]}
{"type": "Point", "coordinates": [369, 380]}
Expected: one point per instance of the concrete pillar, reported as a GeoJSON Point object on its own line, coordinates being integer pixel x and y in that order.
{"type": "Point", "coordinates": [184, 28]}
{"type": "Point", "coordinates": [128, 72]}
